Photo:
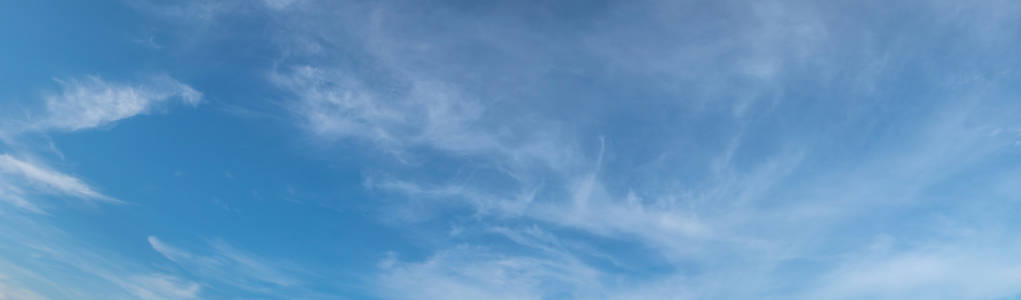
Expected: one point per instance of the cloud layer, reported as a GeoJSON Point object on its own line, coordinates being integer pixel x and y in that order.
{"type": "Point", "coordinates": [727, 152]}
{"type": "Point", "coordinates": [513, 150]}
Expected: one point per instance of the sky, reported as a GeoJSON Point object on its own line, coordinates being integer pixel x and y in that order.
{"type": "Point", "coordinates": [527, 149]}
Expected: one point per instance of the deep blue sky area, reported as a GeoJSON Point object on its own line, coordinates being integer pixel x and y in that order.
{"type": "Point", "coordinates": [306, 149]}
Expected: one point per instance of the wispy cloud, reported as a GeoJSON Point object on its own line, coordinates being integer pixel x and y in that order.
{"type": "Point", "coordinates": [26, 181]}
{"type": "Point", "coordinates": [226, 265]}
{"type": "Point", "coordinates": [14, 195]}
{"type": "Point", "coordinates": [45, 257]}
{"type": "Point", "coordinates": [966, 266]}
{"type": "Point", "coordinates": [20, 176]}
{"type": "Point", "coordinates": [335, 105]}
{"type": "Point", "coordinates": [468, 272]}
{"type": "Point", "coordinates": [11, 291]}
{"type": "Point", "coordinates": [161, 286]}
{"type": "Point", "coordinates": [92, 102]}
{"type": "Point", "coordinates": [78, 104]}
{"type": "Point", "coordinates": [761, 145]}
{"type": "Point", "coordinates": [203, 13]}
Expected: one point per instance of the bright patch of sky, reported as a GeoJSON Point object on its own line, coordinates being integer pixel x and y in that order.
{"type": "Point", "coordinates": [306, 149]}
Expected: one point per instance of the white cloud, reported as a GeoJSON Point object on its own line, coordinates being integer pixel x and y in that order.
{"type": "Point", "coordinates": [11, 291]}
{"type": "Point", "coordinates": [744, 222]}
{"type": "Point", "coordinates": [92, 102]}
{"type": "Point", "coordinates": [469, 272]}
{"type": "Point", "coordinates": [724, 224]}
{"type": "Point", "coordinates": [431, 108]}
{"type": "Point", "coordinates": [547, 267]}
{"type": "Point", "coordinates": [50, 257]}
{"type": "Point", "coordinates": [161, 287]}
{"type": "Point", "coordinates": [676, 225]}
{"type": "Point", "coordinates": [227, 265]}
{"type": "Point", "coordinates": [59, 265]}
{"type": "Point", "coordinates": [17, 176]}
{"type": "Point", "coordinates": [171, 253]}
{"type": "Point", "coordinates": [279, 4]}
{"type": "Point", "coordinates": [332, 104]}
{"type": "Point", "coordinates": [201, 14]}
{"type": "Point", "coordinates": [962, 268]}
{"type": "Point", "coordinates": [78, 104]}
{"type": "Point", "coordinates": [14, 195]}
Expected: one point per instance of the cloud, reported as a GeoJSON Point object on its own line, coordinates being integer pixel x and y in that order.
{"type": "Point", "coordinates": [225, 265]}
{"type": "Point", "coordinates": [495, 116]}
{"type": "Point", "coordinates": [203, 14]}
{"type": "Point", "coordinates": [10, 291]}
{"type": "Point", "coordinates": [279, 4]}
{"type": "Point", "coordinates": [92, 102]}
{"type": "Point", "coordinates": [14, 195]}
{"type": "Point", "coordinates": [168, 251]}
{"type": "Point", "coordinates": [332, 104]}
{"type": "Point", "coordinates": [965, 267]}
{"type": "Point", "coordinates": [753, 216]}
{"type": "Point", "coordinates": [543, 267]}
{"type": "Point", "coordinates": [756, 144]}
{"type": "Point", "coordinates": [468, 272]}
{"type": "Point", "coordinates": [78, 104]}
{"type": "Point", "coordinates": [19, 177]}
{"type": "Point", "coordinates": [58, 265]}
{"type": "Point", "coordinates": [161, 286]}
{"type": "Point", "coordinates": [667, 222]}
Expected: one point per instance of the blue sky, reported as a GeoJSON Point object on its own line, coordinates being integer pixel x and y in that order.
{"type": "Point", "coordinates": [303, 149]}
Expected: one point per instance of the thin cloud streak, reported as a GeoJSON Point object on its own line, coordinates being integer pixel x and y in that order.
{"type": "Point", "coordinates": [44, 180]}
{"type": "Point", "coordinates": [224, 265]}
